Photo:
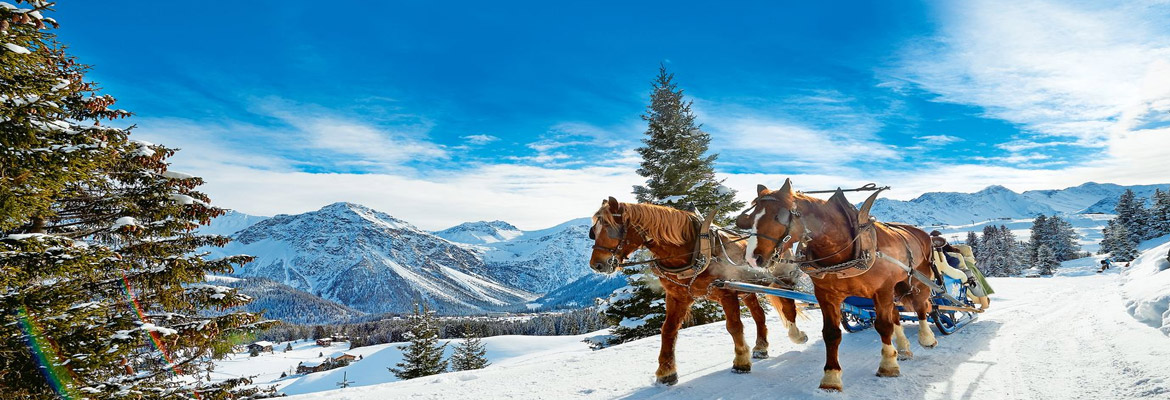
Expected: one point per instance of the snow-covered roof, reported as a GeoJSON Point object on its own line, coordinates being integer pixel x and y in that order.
{"type": "Point", "coordinates": [263, 343]}
{"type": "Point", "coordinates": [311, 364]}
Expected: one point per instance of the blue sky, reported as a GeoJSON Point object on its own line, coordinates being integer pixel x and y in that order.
{"type": "Point", "coordinates": [442, 112]}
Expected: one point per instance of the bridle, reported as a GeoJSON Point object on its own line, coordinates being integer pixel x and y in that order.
{"type": "Point", "coordinates": [783, 244]}
{"type": "Point", "coordinates": [780, 243]}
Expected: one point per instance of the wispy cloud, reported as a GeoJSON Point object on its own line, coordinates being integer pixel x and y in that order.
{"type": "Point", "coordinates": [1058, 68]}
{"type": "Point", "coordinates": [479, 140]}
{"type": "Point", "coordinates": [939, 140]}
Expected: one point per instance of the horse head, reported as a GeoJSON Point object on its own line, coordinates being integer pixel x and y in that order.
{"type": "Point", "coordinates": [775, 225]}
{"type": "Point", "coordinates": [613, 238]}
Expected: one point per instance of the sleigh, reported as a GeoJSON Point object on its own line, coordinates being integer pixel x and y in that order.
{"type": "Point", "coordinates": [950, 306]}
{"type": "Point", "coordinates": [952, 309]}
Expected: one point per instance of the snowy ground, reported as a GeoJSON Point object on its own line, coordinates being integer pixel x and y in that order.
{"type": "Point", "coordinates": [372, 368]}
{"type": "Point", "coordinates": [1062, 337]}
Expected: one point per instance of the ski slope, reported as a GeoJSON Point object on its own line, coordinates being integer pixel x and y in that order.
{"type": "Point", "coordinates": [1064, 337]}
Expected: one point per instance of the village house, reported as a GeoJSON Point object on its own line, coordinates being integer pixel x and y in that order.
{"type": "Point", "coordinates": [261, 346]}
{"type": "Point", "coordinates": [308, 367]}
{"type": "Point", "coordinates": [325, 342]}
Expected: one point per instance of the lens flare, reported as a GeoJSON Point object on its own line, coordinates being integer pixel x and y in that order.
{"type": "Point", "coordinates": [155, 336]}
{"type": "Point", "coordinates": [43, 352]}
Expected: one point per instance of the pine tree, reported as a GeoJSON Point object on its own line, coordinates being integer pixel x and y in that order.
{"type": "Point", "coordinates": [973, 242]}
{"type": "Point", "coordinates": [469, 354]}
{"type": "Point", "coordinates": [1055, 233]}
{"type": "Point", "coordinates": [1132, 213]}
{"type": "Point", "coordinates": [1064, 240]}
{"type": "Point", "coordinates": [679, 173]}
{"type": "Point", "coordinates": [424, 355]}
{"type": "Point", "coordinates": [103, 286]}
{"type": "Point", "coordinates": [1160, 213]}
{"type": "Point", "coordinates": [1046, 260]}
{"type": "Point", "coordinates": [1117, 242]}
{"type": "Point", "coordinates": [1041, 234]}
{"type": "Point", "coordinates": [288, 348]}
{"type": "Point", "coordinates": [986, 251]}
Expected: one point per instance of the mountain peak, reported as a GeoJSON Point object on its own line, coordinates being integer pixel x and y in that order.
{"type": "Point", "coordinates": [480, 232]}
{"type": "Point", "coordinates": [996, 189]}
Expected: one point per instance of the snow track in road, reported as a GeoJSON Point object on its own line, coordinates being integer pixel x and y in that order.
{"type": "Point", "coordinates": [1047, 338]}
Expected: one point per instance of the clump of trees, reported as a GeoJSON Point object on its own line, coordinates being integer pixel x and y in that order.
{"type": "Point", "coordinates": [1134, 223]}
{"type": "Point", "coordinates": [393, 328]}
{"type": "Point", "coordinates": [1053, 241]}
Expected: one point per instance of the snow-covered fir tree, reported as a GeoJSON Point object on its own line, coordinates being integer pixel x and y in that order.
{"type": "Point", "coordinates": [973, 241]}
{"type": "Point", "coordinates": [1117, 242]}
{"type": "Point", "coordinates": [1046, 260]}
{"type": "Point", "coordinates": [1160, 213]}
{"type": "Point", "coordinates": [423, 356]}
{"type": "Point", "coordinates": [104, 295]}
{"type": "Point", "coordinates": [1000, 254]}
{"type": "Point", "coordinates": [680, 174]}
{"type": "Point", "coordinates": [1041, 232]}
{"type": "Point", "coordinates": [470, 353]}
{"type": "Point", "coordinates": [1132, 213]}
{"type": "Point", "coordinates": [679, 171]}
{"type": "Point", "coordinates": [1055, 233]}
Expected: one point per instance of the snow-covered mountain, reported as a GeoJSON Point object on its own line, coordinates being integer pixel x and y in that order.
{"type": "Point", "coordinates": [542, 261]}
{"type": "Point", "coordinates": [482, 232]}
{"type": "Point", "coordinates": [231, 222]}
{"type": "Point", "coordinates": [371, 261]}
{"type": "Point", "coordinates": [998, 202]}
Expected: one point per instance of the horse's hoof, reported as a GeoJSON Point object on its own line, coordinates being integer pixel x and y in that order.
{"type": "Point", "coordinates": [888, 372]}
{"type": "Point", "coordinates": [760, 354]}
{"type": "Point", "coordinates": [831, 381]}
{"type": "Point", "coordinates": [668, 380]}
{"type": "Point", "coordinates": [905, 355]}
{"type": "Point", "coordinates": [929, 345]}
{"type": "Point", "coordinates": [830, 388]}
{"type": "Point", "coordinates": [741, 369]}
{"type": "Point", "coordinates": [802, 339]}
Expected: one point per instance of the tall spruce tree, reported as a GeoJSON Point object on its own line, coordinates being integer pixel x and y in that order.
{"type": "Point", "coordinates": [1117, 242]}
{"type": "Point", "coordinates": [470, 353]}
{"type": "Point", "coordinates": [679, 173]}
{"type": "Point", "coordinates": [1055, 233]}
{"type": "Point", "coordinates": [1160, 213]}
{"type": "Point", "coordinates": [1132, 213]}
{"type": "Point", "coordinates": [1046, 260]}
{"type": "Point", "coordinates": [423, 356]}
{"type": "Point", "coordinates": [102, 286]}
{"type": "Point", "coordinates": [1041, 234]}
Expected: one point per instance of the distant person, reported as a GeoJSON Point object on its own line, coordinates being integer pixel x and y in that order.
{"type": "Point", "coordinates": [1105, 264]}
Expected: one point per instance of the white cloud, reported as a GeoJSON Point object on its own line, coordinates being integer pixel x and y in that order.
{"type": "Point", "coordinates": [1057, 68]}
{"type": "Point", "coordinates": [939, 140]}
{"type": "Point", "coordinates": [790, 142]}
{"type": "Point", "coordinates": [479, 139]}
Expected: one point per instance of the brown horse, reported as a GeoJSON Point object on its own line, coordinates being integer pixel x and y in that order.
{"type": "Point", "coordinates": [779, 219]}
{"type": "Point", "coordinates": [669, 234]}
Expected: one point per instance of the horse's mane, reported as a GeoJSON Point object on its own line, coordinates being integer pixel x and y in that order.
{"type": "Point", "coordinates": [663, 224]}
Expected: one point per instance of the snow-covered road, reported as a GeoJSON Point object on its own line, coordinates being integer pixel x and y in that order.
{"type": "Point", "coordinates": [1065, 337]}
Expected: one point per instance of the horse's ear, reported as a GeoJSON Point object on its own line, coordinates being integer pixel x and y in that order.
{"type": "Point", "coordinates": [786, 190]}
{"type": "Point", "coordinates": [614, 206]}
{"type": "Point", "coordinates": [760, 189]}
